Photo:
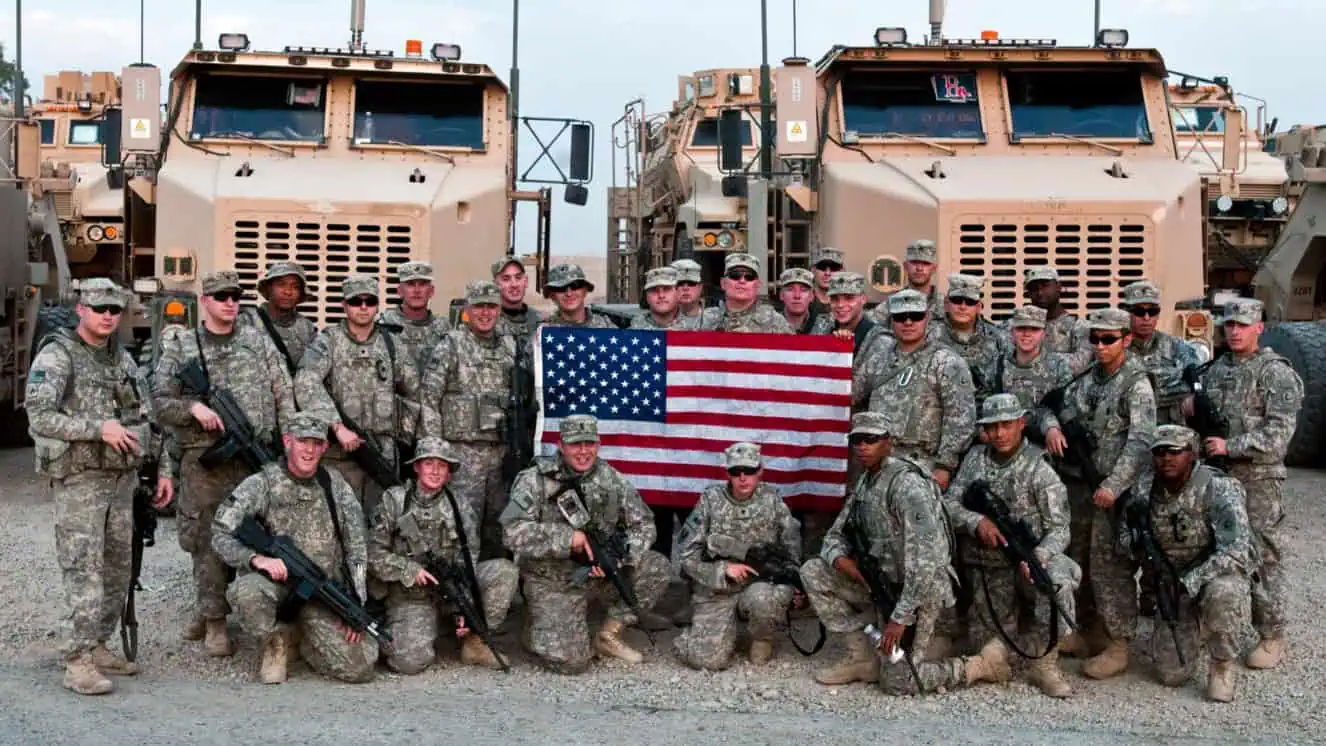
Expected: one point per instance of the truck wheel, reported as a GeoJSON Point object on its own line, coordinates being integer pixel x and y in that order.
{"type": "Point", "coordinates": [1303, 343]}
{"type": "Point", "coordinates": [49, 319]}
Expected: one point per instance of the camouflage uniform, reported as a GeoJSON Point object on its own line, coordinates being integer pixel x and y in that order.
{"type": "Point", "coordinates": [869, 339]}
{"type": "Point", "coordinates": [719, 531]}
{"type": "Point", "coordinates": [374, 383]}
{"type": "Point", "coordinates": [1261, 396]}
{"type": "Point", "coordinates": [519, 322]}
{"type": "Point", "coordinates": [408, 525]}
{"type": "Point", "coordinates": [1065, 334]}
{"type": "Point", "coordinates": [922, 250]}
{"type": "Point", "coordinates": [298, 508]}
{"type": "Point", "coordinates": [1030, 382]}
{"type": "Point", "coordinates": [981, 347]}
{"type": "Point", "coordinates": [247, 364]}
{"type": "Point", "coordinates": [539, 534]}
{"type": "Point", "coordinates": [563, 276]}
{"type": "Point", "coordinates": [688, 270]}
{"type": "Point", "coordinates": [465, 400]}
{"type": "Point", "coordinates": [72, 389]}
{"type": "Point", "coordinates": [662, 277]}
{"type": "Point", "coordinates": [1164, 355]}
{"type": "Point", "coordinates": [417, 338]}
{"type": "Point", "coordinates": [760, 317]}
{"type": "Point", "coordinates": [294, 331]}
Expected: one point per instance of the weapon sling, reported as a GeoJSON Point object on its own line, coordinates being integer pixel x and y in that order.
{"type": "Point", "coordinates": [276, 339]}
{"type": "Point", "coordinates": [289, 607]}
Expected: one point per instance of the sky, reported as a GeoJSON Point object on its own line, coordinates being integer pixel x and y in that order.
{"type": "Point", "coordinates": [587, 58]}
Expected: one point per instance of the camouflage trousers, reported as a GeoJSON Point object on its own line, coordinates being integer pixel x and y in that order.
{"type": "Point", "coordinates": [844, 606]}
{"type": "Point", "coordinates": [93, 538]}
{"type": "Point", "coordinates": [556, 622]}
{"type": "Point", "coordinates": [1113, 581]}
{"type": "Point", "coordinates": [1265, 514]}
{"type": "Point", "coordinates": [1081, 511]}
{"type": "Point", "coordinates": [1009, 593]}
{"type": "Point", "coordinates": [202, 492]}
{"type": "Point", "coordinates": [322, 641]}
{"type": "Point", "coordinates": [478, 482]}
{"type": "Point", "coordinates": [412, 615]}
{"type": "Point", "coordinates": [1215, 617]}
{"type": "Point", "coordinates": [709, 641]}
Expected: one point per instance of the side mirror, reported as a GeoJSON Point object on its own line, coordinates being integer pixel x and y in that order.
{"type": "Point", "coordinates": [730, 124]}
{"type": "Point", "coordinates": [582, 146]}
{"type": "Point", "coordinates": [734, 186]}
{"type": "Point", "coordinates": [576, 194]}
{"type": "Point", "coordinates": [111, 156]}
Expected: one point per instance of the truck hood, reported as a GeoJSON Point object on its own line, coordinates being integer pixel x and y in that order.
{"type": "Point", "coordinates": [95, 197]}
{"type": "Point", "coordinates": [707, 203]}
{"type": "Point", "coordinates": [1261, 167]}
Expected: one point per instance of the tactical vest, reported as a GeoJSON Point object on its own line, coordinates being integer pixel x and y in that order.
{"type": "Point", "coordinates": [474, 403]}
{"type": "Point", "coordinates": [754, 521]}
{"type": "Point", "coordinates": [1180, 524]}
{"type": "Point", "coordinates": [371, 407]}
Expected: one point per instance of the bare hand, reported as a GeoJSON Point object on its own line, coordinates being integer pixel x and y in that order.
{"type": "Point", "coordinates": [165, 493]}
{"type": "Point", "coordinates": [269, 566]}
{"type": "Point", "coordinates": [352, 635]}
{"type": "Point", "coordinates": [1055, 442]}
{"type": "Point", "coordinates": [1216, 446]}
{"type": "Point", "coordinates": [844, 333]}
{"type": "Point", "coordinates": [847, 566]}
{"type": "Point", "coordinates": [1104, 498]}
{"type": "Point", "coordinates": [1026, 571]}
{"type": "Point", "coordinates": [892, 637]}
{"type": "Point", "coordinates": [1187, 405]}
{"type": "Point", "coordinates": [580, 545]}
{"type": "Point", "coordinates": [424, 577]}
{"type": "Point", "coordinates": [740, 573]}
{"type": "Point", "coordinates": [461, 629]}
{"type": "Point", "coordinates": [119, 437]}
{"type": "Point", "coordinates": [348, 440]}
{"type": "Point", "coordinates": [989, 534]}
{"type": "Point", "coordinates": [942, 476]}
{"type": "Point", "coordinates": [799, 600]}
{"type": "Point", "coordinates": [210, 420]}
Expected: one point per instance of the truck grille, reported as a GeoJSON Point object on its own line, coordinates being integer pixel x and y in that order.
{"type": "Point", "coordinates": [327, 251]}
{"type": "Point", "coordinates": [64, 205]}
{"type": "Point", "coordinates": [1094, 260]}
{"type": "Point", "coordinates": [1260, 191]}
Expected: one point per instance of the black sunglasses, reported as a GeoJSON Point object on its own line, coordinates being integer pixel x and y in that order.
{"type": "Point", "coordinates": [829, 266]}
{"type": "Point", "coordinates": [869, 439]}
{"type": "Point", "coordinates": [963, 301]}
{"type": "Point", "coordinates": [740, 276]}
{"type": "Point", "coordinates": [908, 317]}
{"type": "Point", "coordinates": [1103, 339]}
{"type": "Point", "coordinates": [1140, 311]}
{"type": "Point", "coordinates": [1169, 450]}
{"type": "Point", "coordinates": [107, 308]}
{"type": "Point", "coordinates": [361, 300]}
{"type": "Point", "coordinates": [741, 471]}
{"type": "Point", "coordinates": [226, 296]}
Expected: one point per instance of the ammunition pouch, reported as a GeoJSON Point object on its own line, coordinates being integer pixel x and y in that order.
{"type": "Point", "coordinates": [473, 417]}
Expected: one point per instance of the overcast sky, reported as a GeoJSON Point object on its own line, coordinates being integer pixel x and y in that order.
{"type": "Point", "coordinates": [587, 58]}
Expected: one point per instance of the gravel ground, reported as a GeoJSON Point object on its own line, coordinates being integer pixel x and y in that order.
{"type": "Point", "coordinates": [184, 693]}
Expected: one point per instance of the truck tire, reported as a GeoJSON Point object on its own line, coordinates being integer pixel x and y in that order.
{"type": "Point", "coordinates": [1303, 343]}
{"type": "Point", "coordinates": [49, 319]}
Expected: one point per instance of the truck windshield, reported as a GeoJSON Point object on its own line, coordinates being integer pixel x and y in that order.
{"type": "Point", "coordinates": [706, 134]}
{"type": "Point", "coordinates": [1201, 119]}
{"type": "Point", "coordinates": [1081, 103]}
{"type": "Point", "coordinates": [46, 130]}
{"type": "Point", "coordinates": [259, 107]}
{"type": "Point", "coordinates": [441, 115]}
{"type": "Point", "coordinates": [84, 133]}
{"type": "Point", "coordinates": [914, 103]}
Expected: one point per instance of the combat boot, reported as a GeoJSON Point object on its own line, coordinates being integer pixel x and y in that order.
{"type": "Point", "coordinates": [1074, 646]}
{"type": "Point", "coordinates": [1220, 681]}
{"type": "Point", "coordinates": [195, 629]}
{"type": "Point", "coordinates": [474, 653]}
{"type": "Point", "coordinates": [275, 657]}
{"type": "Point", "coordinates": [111, 664]}
{"type": "Point", "coordinates": [1046, 674]}
{"type": "Point", "coordinates": [1268, 653]}
{"type": "Point", "coordinates": [609, 642]}
{"type": "Point", "coordinates": [82, 676]}
{"type": "Point", "coordinates": [1112, 662]}
{"type": "Point", "coordinates": [216, 641]}
{"type": "Point", "coordinates": [990, 665]}
{"type": "Point", "coordinates": [860, 664]}
{"type": "Point", "coordinates": [760, 651]}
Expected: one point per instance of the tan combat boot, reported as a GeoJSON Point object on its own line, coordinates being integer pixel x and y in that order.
{"type": "Point", "coordinates": [1220, 681]}
{"type": "Point", "coordinates": [761, 651]}
{"type": "Point", "coordinates": [111, 664]}
{"type": "Point", "coordinates": [1046, 674]}
{"type": "Point", "coordinates": [216, 641]}
{"type": "Point", "coordinates": [81, 676]}
{"type": "Point", "coordinates": [275, 657]}
{"type": "Point", "coordinates": [1074, 646]}
{"type": "Point", "coordinates": [195, 629]}
{"type": "Point", "coordinates": [1268, 653]}
{"type": "Point", "coordinates": [474, 653]}
{"type": "Point", "coordinates": [1112, 662]}
{"type": "Point", "coordinates": [860, 664]}
{"type": "Point", "coordinates": [609, 642]}
{"type": "Point", "coordinates": [991, 665]}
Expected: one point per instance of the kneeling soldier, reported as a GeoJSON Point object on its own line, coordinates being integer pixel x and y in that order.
{"type": "Point", "coordinates": [295, 498]}
{"type": "Point", "coordinates": [727, 522]}
{"type": "Point", "coordinates": [423, 523]}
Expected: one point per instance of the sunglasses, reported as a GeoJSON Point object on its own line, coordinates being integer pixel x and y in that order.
{"type": "Point", "coordinates": [228, 296]}
{"type": "Point", "coordinates": [1103, 339]}
{"type": "Point", "coordinates": [113, 310]}
{"type": "Point", "coordinates": [828, 266]}
{"type": "Point", "coordinates": [869, 439]}
{"type": "Point", "coordinates": [742, 276]}
{"type": "Point", "coordinates": [362, 300]}
{"type": "Point", "coordinates": [1141, 311]}
{"type": "Point", "coordinates": [963, 301]}
{"type": "Point", "coordinates": [910, 317]}
{"type": "Point", "coordinates": [741, 471]}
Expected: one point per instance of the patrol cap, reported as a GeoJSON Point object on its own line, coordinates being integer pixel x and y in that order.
{"type": "Point", "coordinates": [285, 269]}
{"type": "Point", "coordinates": [907, 301]}
{"type": "Point", "coordinates": [306, 425]}
{"type": "Point", "coordinates": [797, 275]}
{"type": "Point", "coordinates": [357, 285]}
{"type": "Point", "coordinates": [1035, 274]}
{"type": "Point", "coordinates": [579, 428]}
{"type": "Point", "coordinates": [661, 277]}
{"type": "Point", "coordinates": [430, 447]}
{"type": "Point", "coordinates": [826, 254]}
{"type": "Point", "coordinates": [222, 279]}
{"type": "Point", "coordinates": [740, 455]}
{"type": "Point", "coordinates": [565, 275]}
{"type": "Point", "coordinates": [415, 270]}
{"type": "Point", "coordinates": [1141, 292]}
{"type": "Point", "coordinates": [1175, 436]}
{"type": "Point", "coordinates": [1000, 408]}
{"type": "Point", "coordinates": [100, 291]}
{"type": "Point", "coordinates": [1243, 311]}
{"type": "Point", "coordinates": [688, 270]}
{"type": "Point", "coordinates": [482, 292]}
{"type": "Point", "coordinates": [847, 283]}
{"type": "Point", "coordinates": [1108, 319]}
{"type": "Point", "coordinates": [870, 423]}
{"type": "Point", "coordinates": [1029, 316]}
{"type": "Point", "coordinates": [965, 286]}
{"type": "Point", "coordinates": [921, 250]}
{"type": "Point", "coordinates": [501, 264]}
{"type": "Point", "coordinates": [740, 259]}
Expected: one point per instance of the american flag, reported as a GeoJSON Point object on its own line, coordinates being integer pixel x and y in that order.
{"type": "Point", "coordinates": [669, 402]}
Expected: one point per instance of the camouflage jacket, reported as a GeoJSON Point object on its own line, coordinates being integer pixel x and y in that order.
{"type": "Point", "coordinates": [417, 338]}
{"type": "Point", "coordinates": [872, 346]}
{"type": "Point", "coordinates": [1166, 356]}
{"type": "Point", "coordinates": [593, 320]}
{"type": "Point", "coordinates": [73, 387]}
{"type": "Point", "coordinates": [902, 518]}
{"type": "Point", "coordinates": [1028, 486]}
{"type": "Point", "coordinates": [1261, 396]}
{"type": "Point", "coordinates": [1067, 335]}
{"type": "Point", "coordinates": [980, 348]}
{"type": "Point", "coordinates": [930, 390]}
{"type": "Point", "coordinates": [244, 362]}
{"type": "Point", "coordinates": [721, 528]}
{"type": "Point", "coordinates": [296, 332]}
{"type": "Point", "coordinates": [408, 525]}
{"type": "Point", "coordinates": [375, 383]}
{"type": "Point", "coordinates": [518, 324]}
{"type": "Point", "coordinates": [288, 506]}
{"type": "Point", "coordinates": [466, 388]}
{"type": "Point", "coordinates": [1032, 381]}
{"type": "Point", "coordinates": [537, 532]}
{"type": "Point", "coordinates": [760, 317]}
{"type": "Point", "coordinates": [1119, 411]}
{"type": "Point", "coordinates": [645, 320]}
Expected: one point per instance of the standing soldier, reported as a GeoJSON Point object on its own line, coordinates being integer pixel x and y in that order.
{"type": "Point", "coordinates": [1115, 407]}
{"type": "Point", "coordinates": [795, 290]}
{"type": "Point", "coordinates": [517, 318]}
{"type": "Point", "coordinates": [742, 310]}
{"type": "Point", "coordinates": [416, 327]}
{"type": "Point", "coordinates": [245, 362]}
{"type": "Point", "coordinates": [315, 508]}
{"type": "Point", "coordinates": [1165, 356]}
{"type": "Point", "coordinates": [690, 292]}
{"type": "Point", "coordinates": [1029, 370]}
{"type": "Point", "coordinates": [847, 319]}
{"type": "Point", "coordinates": [963, 330]}
{"type": "Point", "coordinates": [285, 287]}
{"type": "Point", "coordinates": [1064, 332]}
{"type": "Point", "coordinates": [466, 400]}
{"type": "Point", "coordinates": [661, 295]}
{"type": "Point", "coordinates": [568, 288]}
{"type": "Point", "coordinates": [1260, 394]}
{"type": "Point", "coordinates": [89, 425]}
{"type": "Point", "coordinates": [353, 373]}
{"type": "Point", "coordinates": [553, 504]}
{"type": "Point", "coordinates": [420, 519]}
{"type": "Point", "coordinates": [919, 266]}
{"type": "Point", "coordinates": [824, 263]}
{"type": "Point", "coordinates": [729, 520]}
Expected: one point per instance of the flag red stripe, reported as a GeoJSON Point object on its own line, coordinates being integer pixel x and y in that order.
{"type": "Point", "coordinates": [756, 422]}
{"type": "Point", "coordinates": [748, 340]}
{"type": "Point", "coordinates": [799, 370]}
{"type": "Point", "coordinates": [768, 450]}
{"type": "Point", "coordinates": [693, 471]}
{"type": "Point", "coordinates": [737, 393]}
{"type": "Point", "coordinates": [676, 499]}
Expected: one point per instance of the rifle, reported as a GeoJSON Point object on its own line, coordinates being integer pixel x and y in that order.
{"type": "Point", "coordinates": [239, 439]}
{"type": "Point", "coordinates": [368, 456]}
{"type": "Point", "coordinates": [1164, 577]}
{"type": "Point", "coordinates": [610, 549]}
{"type": "Point", "coordinates": [308, 581]}
{"type": "Point", "coordinates": [519, 425]}
{"type": "Point", "coordinates": [1206, 418]}
{"type": "Point", "coordinates": [144, 535]}
{"type": "Point", "coordinates": [772, 563]}
{"type": "Point", "coordinates": [1019, 546]}
{"type": "Point", "coordinates": [882, 593]}
{"type": "Point", "coordinates": [457, 586]}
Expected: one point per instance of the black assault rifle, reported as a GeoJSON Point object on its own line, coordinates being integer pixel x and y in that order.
{"type": "Point", "coordinates": [519, 423]}
{"type": "Point", "coordinates": [610, 549]}
{"type": "Point", "coordinates": [1165, 583]}
{"type": "Point", "coordinates": [457, 586]}
{"type": "Point", "coordinates": [882, 593]}
{"type": "Point", "coordinates": [239, 439]}
{"type": "Point", "coordinates": [772, 563]}
{"type": "Point", "coordinates": [368, 456]}
{"type": "Point", "coordinates": [1206, 419]}
{"type": "Point", "coordinates": [144, 535]}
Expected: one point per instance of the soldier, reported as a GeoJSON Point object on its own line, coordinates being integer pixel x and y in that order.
{"type": "Point", "coordinates": [422, 518]}
{"type": "Point", "coordinates": [1260, 394]}
{"type": "Point", "coordinates": [896, 510]}
{"type": "Point", "coordinates": [316, 509]}
{"type": "Point", "coordinates": [824, 263]}
{"type": "Point", "coordinates": [353, 371]}
{"type": "Point", "coordinates": [1116, 407]}
{"type": "Point", "coordinates": [416, 327]}
{"type": "Point", "coordinates": [661, 295]}
{"type": "Point", "coordinates": [1198, 520]}
{"type": "Point", "coordinates": [690, 293]}
{"type": "Point", "coordinates": [517, 318]}
{"type": "Point", "coordinates": [552, 503]}
{"type": "Point", "coordinates": [742, 310]}
{"type": "Point", "coordinates": [466, 400]}
{"type": "Point", "coordinates": [567, 287]}
{"type": "Point", "coordinates": [1029, 370]}
{"type": "Point", "coordinates": [1064, 332]}
{"type": "Point", "coordinates": [1017, 473]}
{"type": "Point", "coordinates": [963, 330]}
{"type": "Point", "coordinates": [919, 266]}
{"type": "Point", "coordinates": [847, 319]}
{"type": "Point", "coordinates": [89, 425]}
{"type": "Point", "coordinates": [285, 287]}
{"type": "Point", "coordinates": [727, 521]}
{"type": "Point", "coordinates": [245, 362]}
{"type": "Point", "coordinates": [795, 291]}
{"type": "Point", "coordinates": [1165, 356]}
{"type": "Point", "coordinates": [928, 387]}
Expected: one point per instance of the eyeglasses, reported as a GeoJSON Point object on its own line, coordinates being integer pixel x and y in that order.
{"type": "Point", "coordinates": [228, 296]}
{"type": "Point", "coordinates": [108, 308]}
{"type": "Point", "coordinates": [1140, 311]}
{"type": "Point", "coordinates": [869, 439]}
{"type": "Point", "coordinates": [828, 266]}
{"type": "Point", "coordinates": [963, 301]}
{"type": "Point", "coordinates": [910, 317]}
{"type": "Point", "coordinates": [1103, 339]}
{"type": "Point", "coordinates": [742, 471]}
{"type": "Point", "coordinates": [362, 300]}
{"type": "Point", "coordinates": [739, 276]}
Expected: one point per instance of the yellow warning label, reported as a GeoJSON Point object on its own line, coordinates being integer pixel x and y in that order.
{"type": "Point", "coordinates": [796, 131]}
{"type": "Point", "coordinates": [139, 129]}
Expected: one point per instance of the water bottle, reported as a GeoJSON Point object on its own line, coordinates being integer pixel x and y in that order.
{"type": "Point", "coordinates": [876, 636]}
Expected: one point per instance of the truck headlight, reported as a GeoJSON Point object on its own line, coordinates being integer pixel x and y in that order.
{"type": "Point", "coordinates": [95, 233]}
{"type": "Point", "coordinates": [726, 240]}
{"type": "Point", "coordinates": [1225, 203]}
{"type": "Point", "coordinates": [1279, 205]}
